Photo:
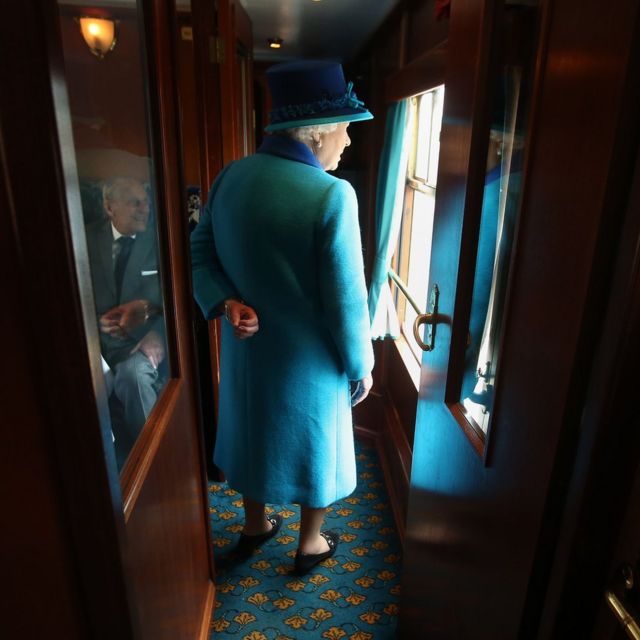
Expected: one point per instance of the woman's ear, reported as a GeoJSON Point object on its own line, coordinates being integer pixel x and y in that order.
{"type": "Point", "coordinates": [317, 140]}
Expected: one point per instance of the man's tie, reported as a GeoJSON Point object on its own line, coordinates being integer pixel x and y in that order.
{"type": "Point", "coordinates": [125, 243]}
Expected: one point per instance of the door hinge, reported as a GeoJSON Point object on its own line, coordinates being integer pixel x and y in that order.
{"type": "Point", "coordinates": [216, 50]}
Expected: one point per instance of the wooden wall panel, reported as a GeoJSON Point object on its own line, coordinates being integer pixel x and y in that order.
{"type": "Point", "coordinates": [234, 28]}
{"type": "Point", "coordinates": [187, 96]}
{"type": "Point", "coordinates": [424, 32]}
{"type": "Point", "coordinates": [405, 56]}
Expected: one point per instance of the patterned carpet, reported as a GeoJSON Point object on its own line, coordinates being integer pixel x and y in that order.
{"type": "Point", "coordinates": [353, 595]}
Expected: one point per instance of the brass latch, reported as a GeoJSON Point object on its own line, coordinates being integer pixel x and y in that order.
{"type": "Point", "coordinates": [430, 319]}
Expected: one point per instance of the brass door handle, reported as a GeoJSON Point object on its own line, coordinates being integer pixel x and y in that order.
{"type": "Point", "coordinates": [430, 319]}
{"type": "Point", "coordinates": [625, 619]}
{"type": "Point", "coordinates": [425, 318]}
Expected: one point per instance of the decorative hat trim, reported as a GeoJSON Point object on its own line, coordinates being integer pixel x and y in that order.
{"type": "Point", "coordinates": [295, 111]}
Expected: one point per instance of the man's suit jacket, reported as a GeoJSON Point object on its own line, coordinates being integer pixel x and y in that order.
{"type": "Point", "coordinates": [141, 281]}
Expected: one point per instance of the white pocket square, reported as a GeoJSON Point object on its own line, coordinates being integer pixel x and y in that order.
{"type": "Point", "coordinates": [149, 273]}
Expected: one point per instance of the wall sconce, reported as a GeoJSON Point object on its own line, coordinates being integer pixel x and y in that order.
{"type": "Point", "coordinates": [99, 34]}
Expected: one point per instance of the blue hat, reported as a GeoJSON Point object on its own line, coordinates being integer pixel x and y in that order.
{"type": "Point", "coordinates": [311, 92]}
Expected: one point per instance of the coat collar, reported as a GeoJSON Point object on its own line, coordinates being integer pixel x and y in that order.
{"type": "Point", "coordinates": [286, 147]}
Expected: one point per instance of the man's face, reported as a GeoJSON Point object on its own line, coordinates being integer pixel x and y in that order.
{"type": "Point", "coordinates": [128, 208]}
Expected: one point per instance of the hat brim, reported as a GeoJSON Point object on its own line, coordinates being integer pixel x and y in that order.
{"type": "Point", "coordinates": [304, 122]}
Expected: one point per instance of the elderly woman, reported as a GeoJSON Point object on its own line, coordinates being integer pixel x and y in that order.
{"type": "Point", "coordinates": [278, 251]}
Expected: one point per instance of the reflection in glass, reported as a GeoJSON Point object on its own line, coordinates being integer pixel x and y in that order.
{"type": "Point", "coordinates": [115, 173]}
{"type": "Point", "coordinates": [499, 212]}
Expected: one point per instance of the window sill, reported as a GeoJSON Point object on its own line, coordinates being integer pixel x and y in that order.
{"type": "Point", "coordinates": [409, 359]}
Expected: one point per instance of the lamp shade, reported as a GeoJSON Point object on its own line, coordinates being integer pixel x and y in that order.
{"type": "Point", "coordinates": [99, 34]}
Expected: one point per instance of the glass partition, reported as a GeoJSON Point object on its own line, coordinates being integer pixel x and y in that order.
{"type": "Point", "coordinates": [106, 80]}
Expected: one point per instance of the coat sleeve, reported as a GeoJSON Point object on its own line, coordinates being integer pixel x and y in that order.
{"type": "Point", "coordinates": [342, 285]}
{"type": "Point", "coordinates": [211, 286]}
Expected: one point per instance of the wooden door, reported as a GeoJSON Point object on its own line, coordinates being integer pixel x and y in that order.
{"type": "Point", "coordinates": [235, 55]}
{"type": "Point", "coordinates": [86, 137]}
{"type": "Point", "coordinates": [598, 552]}
{"type": "Point", "coordinates": [499, 411]}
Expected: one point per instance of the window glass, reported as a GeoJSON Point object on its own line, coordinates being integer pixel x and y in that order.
{"type": "Point", "coordinates": [500, 209]}
{"type": "Point", "coordinates": [417, 276]}
{"type": "Point", "coordinates": [412, 257]}
{"type": "Point", "coordinates": [106, 83]}
{"type": "Point", "coordinates": [423, 147]}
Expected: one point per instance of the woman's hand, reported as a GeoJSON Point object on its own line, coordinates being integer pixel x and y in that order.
{"type": "Point", "coordinates": [242, 318]}
{"type": "Point", "coordinates": [362, 390]}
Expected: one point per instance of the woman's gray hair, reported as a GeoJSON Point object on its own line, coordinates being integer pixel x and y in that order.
{"type": "Point", "coordinates": [306, 134]}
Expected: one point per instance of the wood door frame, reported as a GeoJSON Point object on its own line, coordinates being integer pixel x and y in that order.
{"type": "Point", "coordinates": [233, 26]}
{"type": "Point", "coordinates": [162, 94]}
{"type": "Point", "coordinates": [163, 59]}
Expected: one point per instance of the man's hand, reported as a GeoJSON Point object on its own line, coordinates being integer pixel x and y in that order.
{"type": "Point", "coordinates": [151, 346]}
{"type": "Point", "coordinates": [121, 320]}
{"type": "Point", "coordinates": [242, 318]}
{"type": "Point", "coordinates": [361, 390]}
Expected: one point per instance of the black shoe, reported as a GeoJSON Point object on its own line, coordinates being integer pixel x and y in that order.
{"type": "Point", "coordinates": [248, 544]}
{"type": "Point", "coordinates": [306, 561]}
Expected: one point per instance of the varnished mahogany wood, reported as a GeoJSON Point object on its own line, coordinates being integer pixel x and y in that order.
{"type": "Point", "coordinates": [205, 628]}
{"type": "Point", "coordinates": [421, 74]}
{"type": "Point", "coordinates": [481, 539]}
{"type": "Point", "coordinates": [379, 419]}
{"type": "Point", "coordinates": [37, 600]}
{"type": "Point", "coordinates": [188, 101]}
{"type": "Point", "coordinates": [134, 473]}
{"type": "Point", "coordinates": [166, 532]}
{"type": "Point", "coordinates": [396, 64]}
{"type": "Point", "coordinates": [600, 528]}
{"type": "Point", "coordinates": [68, 565]}
{"type": "Point", "coordinates": [165, 475]}
{"type": "Point", "coordinates": [424, 32]}
{"type": "Point", "coordinates": [196, 152]}
{"type": "Point", "coordinates": [400, 390]}
{"type": "Point", "coordinates": [396, 454]}
{"type": "Point", "coordinates": [235, 30]}
{"type": "Point", "coordinates": [207, 79]}
{"type": "Point", "coordinates": [168, 526]}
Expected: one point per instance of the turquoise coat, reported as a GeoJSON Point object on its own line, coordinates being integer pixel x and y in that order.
{"type": "Point", "coordinates": [282, 235]}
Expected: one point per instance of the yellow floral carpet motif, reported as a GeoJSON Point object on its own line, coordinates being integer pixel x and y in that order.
{"type": "Point", "coordinates": [351, 596]}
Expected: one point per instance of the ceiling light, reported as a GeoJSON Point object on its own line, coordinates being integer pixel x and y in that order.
{"type": "Point", "coordinates": [275, 43]}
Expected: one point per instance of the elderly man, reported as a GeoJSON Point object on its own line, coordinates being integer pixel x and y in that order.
{"type": "Point", "coordinates": [126, 284]}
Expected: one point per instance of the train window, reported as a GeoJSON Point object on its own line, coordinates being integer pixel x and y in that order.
{"type": "Point", "coordinates": [106, 81]}
{"type": "Point", "coordinates": [413, 252]}
{"type": "Point", "coordinates": [510, 105]}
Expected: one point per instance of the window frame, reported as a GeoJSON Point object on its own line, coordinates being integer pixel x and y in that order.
{"type": "Point", "coordinates": [401, 259]}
